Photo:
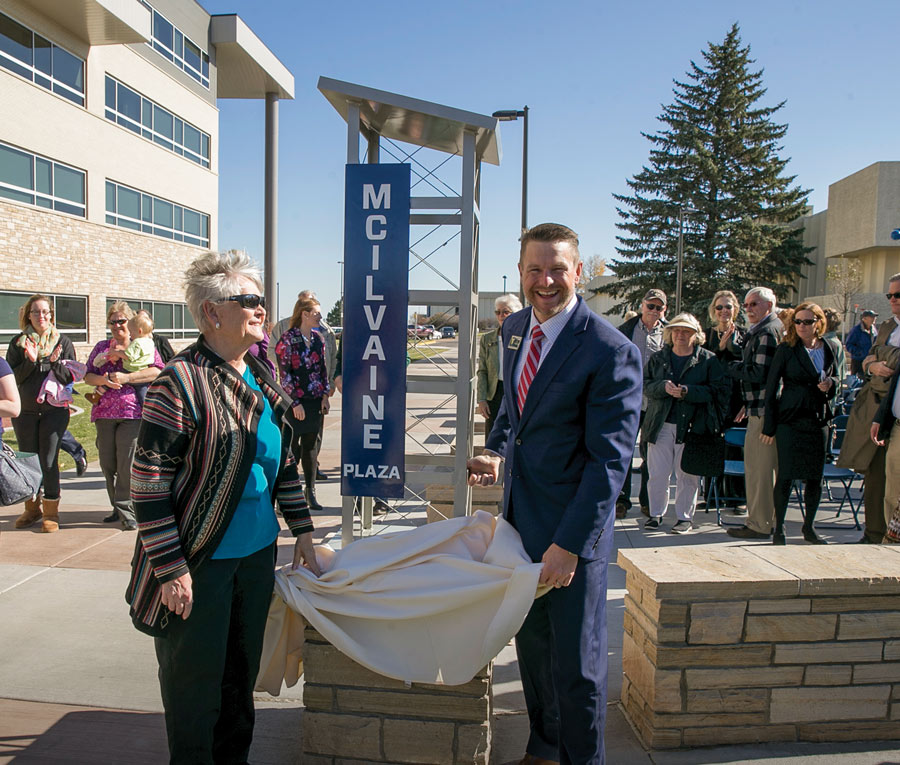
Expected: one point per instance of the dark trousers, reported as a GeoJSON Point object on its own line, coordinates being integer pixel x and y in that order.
{"type": "Point", "coordinates": [41, 432]}
{"type": "Point", "coordinates": [562, 652]}
{"type": "Point", "coordinates": [309, 456]}
{"type": "Point", "coordinates": [494, 409]}
{"type": "Point", "coordinates": [69, 444]}
{"type": "Point", "coordinates": [116, 441]}
{"type": "Point", "coordinates": [208, 663]}
{"type": "Point", "coordinates": [873, 497]}
{"type": "Point", "coordinates": [625, 494]}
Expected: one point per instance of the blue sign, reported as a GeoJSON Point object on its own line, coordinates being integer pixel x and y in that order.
{"type": "Point", "coordinates": [376, 284]}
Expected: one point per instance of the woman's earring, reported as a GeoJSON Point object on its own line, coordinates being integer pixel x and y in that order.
{"type": "Point", "coordinates": [218, 326]}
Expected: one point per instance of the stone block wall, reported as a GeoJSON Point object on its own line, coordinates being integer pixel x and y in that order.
{"type": "Point", "coordinates": [760, 643]}
{"type": "Point", "coordinates": [353, 715]}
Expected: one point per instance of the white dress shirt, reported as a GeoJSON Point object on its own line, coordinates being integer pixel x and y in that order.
{"type": "Point", "coordinates": [551, 329]}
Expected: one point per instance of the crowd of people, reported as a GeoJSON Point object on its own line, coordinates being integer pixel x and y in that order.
{"type": "Point", "coordinates": [777, 376]}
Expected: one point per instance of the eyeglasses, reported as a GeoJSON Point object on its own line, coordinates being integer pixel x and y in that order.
{"type": "Point", "coordinates": [504, 312]}
{"type": "Point", "coordinates": [805, 322]}
{"type": "Point", "coordinates": [895, 295]}
{"type": "Point", "coordinates": [117, 322]}
{"type": "Point", "coordinates": [724, 307]}
{"type": "Point", "coordinates": [35, 312]}
{"type": "Point", "coordinates": [654, 306]}
{"type": "Point", "coordinates": [246, 301]}
{"type": "Point", "coordinates": [751, 305]}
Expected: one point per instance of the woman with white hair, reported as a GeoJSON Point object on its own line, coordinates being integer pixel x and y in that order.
{"type": "Point", "coordinates": [489, 392]}
{"type": "Point", "coordinates": [687, 392]}
{"type": "Point", "coordinates": [213, 456]}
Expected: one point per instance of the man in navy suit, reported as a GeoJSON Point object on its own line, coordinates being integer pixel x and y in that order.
{"type": "Point", "coordinates": [565, 433]}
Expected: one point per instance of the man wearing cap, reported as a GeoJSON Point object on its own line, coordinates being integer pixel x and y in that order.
{"type": "Point", "coordinates": [760, 459]}
{"type": "Point", "coordinates": [860, 340]}
{"type": "Point", "coordinates": [645, 331]}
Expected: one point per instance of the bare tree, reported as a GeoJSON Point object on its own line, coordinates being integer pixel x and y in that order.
{"type": "Point", "coordinates": [846, 281]}
{"type": "Point", "coordinates": [593, 266]}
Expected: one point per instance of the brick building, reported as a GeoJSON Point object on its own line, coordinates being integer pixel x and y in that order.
{"type": "Point", "coordinates": [109, 171]}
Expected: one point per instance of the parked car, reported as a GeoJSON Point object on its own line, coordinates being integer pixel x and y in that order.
{"type": "Point", "coordinates": [448, 332]}
{"type": "Point", "coordinates": [427, 332]}
{"type": "Point", "coordinates": [412, 330]}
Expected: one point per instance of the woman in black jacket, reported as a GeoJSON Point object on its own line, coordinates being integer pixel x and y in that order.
{"type": "Point", "coordinates": [805, 370]}
{"type": "Point", "coordinates": [687, 391]}
{"type": "Point", "coordinates": [33, 354]}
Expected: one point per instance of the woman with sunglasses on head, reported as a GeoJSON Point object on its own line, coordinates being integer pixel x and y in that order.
{"type": "Point", "coordinates": [489, 383]}
{"type": "Point", "coordinates": [300, 352]}
{"type": "Point", "coordinates": [213, 457]}
{"type": "Point", "coordinates": [803, 382]}
{"type": "Point", "coordinates": [117, 412]}
{"type": "Point", "coordinates": [33, 354]}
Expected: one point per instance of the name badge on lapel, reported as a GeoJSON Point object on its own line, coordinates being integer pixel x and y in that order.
{"type": "Point", "coordinates": [514, 342]}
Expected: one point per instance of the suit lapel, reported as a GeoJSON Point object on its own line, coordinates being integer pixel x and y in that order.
{"type": "Point", "coordinates": [518, 325]}
{"type": "Point", "coordinates": [563, 347]}
{"type": "Point", "coordinates": [805, 361]}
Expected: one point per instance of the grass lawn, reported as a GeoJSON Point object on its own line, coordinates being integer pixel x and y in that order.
{"type": "Point", "coordinates": [80, 426]}
{"type": "Point", "coordinates": [417, 350]}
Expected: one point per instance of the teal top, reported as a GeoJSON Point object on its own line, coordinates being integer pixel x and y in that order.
{"type": "Point", "coordinates": [254, 525]}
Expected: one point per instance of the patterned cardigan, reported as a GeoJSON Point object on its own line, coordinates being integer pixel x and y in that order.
{"type": "Point", "coordinates": [195, 449]}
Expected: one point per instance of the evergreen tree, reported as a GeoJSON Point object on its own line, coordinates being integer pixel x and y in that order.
{"type": "Point", "coordinates": [716, 157]}
{"type": "Point", "coordinates": [335, 315]}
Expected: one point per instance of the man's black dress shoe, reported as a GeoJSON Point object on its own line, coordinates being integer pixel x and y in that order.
{"type": "Point", "coordinates": [112, 517]}
{"type": "Point", "coordinates": [745, 532]}
{"type": "Point", "coordinates": [320, 476]}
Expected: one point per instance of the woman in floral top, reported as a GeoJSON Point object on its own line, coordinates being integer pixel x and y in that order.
{"type": "Point", "coordinates": [301, 364]}
{"type": "Point", "coordinates": [117, 415]}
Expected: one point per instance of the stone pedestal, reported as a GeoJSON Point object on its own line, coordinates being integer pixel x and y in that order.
{"type": "Point", "coordinates": [762, 643]}
{"type": "Point", "coordinates": [353, 715]}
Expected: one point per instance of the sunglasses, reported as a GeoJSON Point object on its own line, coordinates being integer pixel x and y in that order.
{"type": "Point", "coordinates": [805, 322]}
{"type": "Point", "coordinates": [246, 301]}
{"type": "Point", "coordinates": [654, 307]}
{"type": "Point", "coordinates": [724, 307]}
{"type": "Point", "coordinates": [117, 322]}
{"type": "Point", "coordinates": [895, 295]}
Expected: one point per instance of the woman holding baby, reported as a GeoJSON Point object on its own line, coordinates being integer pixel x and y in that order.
{"type": "Point", "coordinates": [117, 408]}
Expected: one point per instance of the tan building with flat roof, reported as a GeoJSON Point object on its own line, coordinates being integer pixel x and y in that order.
{"type": "Point", "coordinates": [109, 182]}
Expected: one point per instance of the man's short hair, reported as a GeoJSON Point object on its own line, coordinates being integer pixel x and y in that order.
{"type": "Point", "coordinates": [765, 294]}
{"type": "Point", "coordinates": [549, 232]}
{"type": "Point", "coordinates": [894, 278]}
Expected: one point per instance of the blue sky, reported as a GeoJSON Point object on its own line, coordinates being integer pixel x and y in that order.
{"type": "Point", "coordinates": [594, 75]}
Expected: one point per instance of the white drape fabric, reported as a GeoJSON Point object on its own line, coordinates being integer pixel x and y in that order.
{"type": "Point", "coordinates": [430, 605]}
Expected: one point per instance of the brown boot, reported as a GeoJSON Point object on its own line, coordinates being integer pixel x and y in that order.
{"type": "Point", "coordinates": [51, 516]}
{"type": "Point", "coordinates": [32, 513]}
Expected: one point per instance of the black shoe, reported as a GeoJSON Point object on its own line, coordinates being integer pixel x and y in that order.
{"type": "Point", "coordinates": [746, 533]}
{"type": "Point", "coordinates": [320, 476]}
{"type": "Point", "coordinates": [653, 523]}
{"type": "Point", "coordinates": [621, 508]}
{"type": "Point", "coordinates": [112, 517]}
{"type": "Point", "coordinates": [809, 534]}
{"type": "Point", "coordinates": [778, 538]}
{"type": "Point", "coordinates": [380, 507]}
{"type": "Point", "coordinates": [80, 465]}
{"type": "Point", "coordinates": [311, 499]}
{"type": "Point", "coordinates": [129, 525]}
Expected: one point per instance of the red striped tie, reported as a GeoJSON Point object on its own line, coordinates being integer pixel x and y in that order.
{"type": "Point", "coordinates": [531, 365]}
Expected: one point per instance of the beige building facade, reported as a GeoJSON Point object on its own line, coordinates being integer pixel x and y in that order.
{"type": "Point", "coordinates": [109, 181]}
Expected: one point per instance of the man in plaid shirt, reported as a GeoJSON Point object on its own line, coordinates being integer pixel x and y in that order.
{"type": "Point", "coordinates": [760, 460]}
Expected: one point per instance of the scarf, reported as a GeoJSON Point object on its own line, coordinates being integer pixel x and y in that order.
{"type": "Point", "coordinates": [45, 343]}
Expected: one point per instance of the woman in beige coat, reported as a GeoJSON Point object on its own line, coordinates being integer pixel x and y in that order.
{"type": "Point", "coordinates": [490, 357]}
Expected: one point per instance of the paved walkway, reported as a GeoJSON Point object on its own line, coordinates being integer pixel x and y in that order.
{"type": "Point", "coordinates": [78, 683]}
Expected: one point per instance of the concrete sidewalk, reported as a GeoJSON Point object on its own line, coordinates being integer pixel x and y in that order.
{"type": "Point", "coordinates": [78, 683]}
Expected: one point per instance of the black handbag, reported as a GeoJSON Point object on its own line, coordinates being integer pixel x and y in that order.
{"type": "Point", "coordinates": [20, 475]}
{"type": "Point", "coordinates": [703, 454]}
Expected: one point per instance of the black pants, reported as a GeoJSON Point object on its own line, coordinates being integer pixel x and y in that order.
{"type": "Point", "coordinates": [625, 494]}
{"type": "Point", "coordinates": [41, 432]}
{"type": "Point", "coordinates": [494, 409]}
{"type": "Point", "coordinates": [812, 495]}
{"type": "Point", "coordinates": [208, 663]}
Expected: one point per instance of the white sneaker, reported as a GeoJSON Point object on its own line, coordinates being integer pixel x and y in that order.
{"type": "Point", "coordinates": [682, 527]}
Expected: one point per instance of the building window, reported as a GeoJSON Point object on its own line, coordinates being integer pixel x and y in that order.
{"type": "Point", "coordinates": [131, 110]}
{"type": "Point", "coordinates": [70, 312]}
{"type": "Point", "coordinates": [169, 41]}
{"type": "Point", "coordinates": [129, 208]}
{"type": "Point", "coordinates": [37, 59]}
{"type": "Point", "coordinates": [36, 180]}
{"type": "Point", "coordinates": [169, 319]}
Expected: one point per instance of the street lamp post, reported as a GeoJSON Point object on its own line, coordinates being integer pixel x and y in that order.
{"type": "Point", "coordinates": [504, 284]}
{"type": "Point", "coordinates": [679, 270]}
{"type": "Point", "coordinates": [341, 264]}
{"type": "Point", "coordinates": [509, 115]}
